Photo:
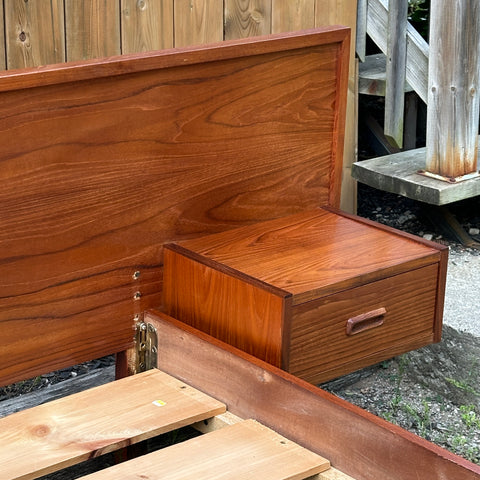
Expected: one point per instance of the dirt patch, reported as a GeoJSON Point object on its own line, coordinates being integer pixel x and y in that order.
{"type": "Point", "coordinates": [433, 392]}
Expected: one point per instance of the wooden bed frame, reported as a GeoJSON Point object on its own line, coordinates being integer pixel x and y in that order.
{"type": "Point", "coordinates": [104, 161]}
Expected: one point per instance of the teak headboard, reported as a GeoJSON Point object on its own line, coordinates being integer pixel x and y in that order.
{"type": "Point", "coordinates": [101, 162]}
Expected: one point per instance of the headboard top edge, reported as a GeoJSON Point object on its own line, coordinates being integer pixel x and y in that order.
{"type": "Point", "coordinates": [145, 61]}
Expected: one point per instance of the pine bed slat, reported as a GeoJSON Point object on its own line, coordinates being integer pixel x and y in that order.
{"type": "Point", "coordinates": [244, 450]}
{"type": "Point", "coordinates": [100, 420]}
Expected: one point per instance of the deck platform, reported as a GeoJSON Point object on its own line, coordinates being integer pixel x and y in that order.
{"type": "Point", "coordinates": [398, 173]}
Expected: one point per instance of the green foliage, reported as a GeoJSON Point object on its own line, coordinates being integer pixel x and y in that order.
{"type": "Point", "coordinates": [418, 16]}
{"type": "Point", "coordinates": [469, 416]}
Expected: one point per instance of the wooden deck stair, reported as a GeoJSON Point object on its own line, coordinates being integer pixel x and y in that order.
{"type": "Point", "coordinates": [72, 429]}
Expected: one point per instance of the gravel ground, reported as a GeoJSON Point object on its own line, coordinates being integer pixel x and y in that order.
{"type": "Point", "coordinates": [434, 391]}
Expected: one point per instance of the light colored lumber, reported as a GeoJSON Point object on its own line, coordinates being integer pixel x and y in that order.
{"type": "Point", "coordinates": [247, 18]}
{"type": "Point", "coordinates": [92, 29]}
{"type": "Point", "coordinates": [332, 474]}
{"type": "Point", "coordinates": [217, 422]}
{"type": "Point", "coordinates": [198, 22]}
{"type": "Point", "coordinates": [88, 424]}
{"type": "Point", "coordinates": [245, 450]}
{"type": "Point", "coordinates": [34, 33]}
{"type": "Point", "coordinates": [146, 25]}
{"type": "Point", "coordinates": [288, 16]}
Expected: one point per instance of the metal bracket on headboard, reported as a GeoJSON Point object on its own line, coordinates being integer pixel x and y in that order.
{"type": "Point", "coordinates": [146, 347]}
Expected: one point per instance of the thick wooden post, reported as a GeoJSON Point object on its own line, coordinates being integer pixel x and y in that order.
{"type": "Point", "coordinates": [453, 97]}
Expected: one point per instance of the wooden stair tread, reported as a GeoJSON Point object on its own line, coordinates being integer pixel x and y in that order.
{"type": "Point", "coordinates": [244, 450]}
{"type": "Point", "coordinates": [67, 431]}
{"type": "Point", "coordinates": [372, 75]}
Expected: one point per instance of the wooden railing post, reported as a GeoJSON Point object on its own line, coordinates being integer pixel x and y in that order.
{"type": "Point", "coordinates": [453, 97]}
{"type": "Point", "coordinates": [396, 69]}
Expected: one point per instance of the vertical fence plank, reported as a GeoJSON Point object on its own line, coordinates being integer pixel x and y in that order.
{"type": "Point", "coordinates": [92, 28]}
{"type": "Point", "coordinates": [3, 64]}
{"type": "Point", "coordinates": [453, 88]}
{"type": "Point", "coordinates": [344, 12]}
{"type": "Point", "coordinates": [290, 15]}
{"type": "Point", "coordinates": [34, 32]}
{"type": "Point", "coordinates": [146, 25]}
{"type": "Point", "coordinates": [197, 22]}
{"type": "Point", "coordinates": [247, 18]}
{"type": "Point", "coordinates": [396, 70]}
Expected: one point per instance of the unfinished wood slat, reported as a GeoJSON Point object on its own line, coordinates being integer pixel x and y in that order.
{"type": "Point", "coordinates": [90, 423]}
{"type": "Point", "coordinates": [146, 25]}
{"type": "Point", "coordinates": [92, 29]}
{"type": "Point", "coordinates": [356, 442]}
{"type": "Point", "coordinates": [198, 22]}
{"type": "Point", "coordinates": [288, 15]}
{"type": "Point", "coordinates": [247, 18]}
{"type": "Point", "coordinates": [34, 33]}
{"type": "Point", "coordinates": [245, 450]}
{"type": "Point", "coordinates": [395, 77]}
{"type": "Point", "coordinates": [332, 474]}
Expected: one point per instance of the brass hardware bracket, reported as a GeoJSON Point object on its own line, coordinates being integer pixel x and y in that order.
{"type": "Point", "coordinates": [146, 347]}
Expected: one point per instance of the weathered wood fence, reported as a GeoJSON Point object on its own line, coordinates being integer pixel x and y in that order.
{"type": "Point", "coordinates": [37, 32]}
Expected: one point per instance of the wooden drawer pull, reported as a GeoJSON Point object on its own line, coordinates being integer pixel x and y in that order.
{"type": "Point", "coordinates": [365, 321]}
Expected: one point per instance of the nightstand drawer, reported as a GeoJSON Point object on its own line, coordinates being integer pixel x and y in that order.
{"type": "Point", "coordinates": [319, 294]}
{"type": "Point", "coordinates": [355, 328]}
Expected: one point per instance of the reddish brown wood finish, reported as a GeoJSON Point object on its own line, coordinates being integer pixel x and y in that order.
{"type": "Point", "coordinates": [321, 349]}
{"type": "Point", "coordinates": [319, 268]}
{"type": "Point", "coordinates": [103, 161]}
{"type": "Point", "coordinates": [356, 442]}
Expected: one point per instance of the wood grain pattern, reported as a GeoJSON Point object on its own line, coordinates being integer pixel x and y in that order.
{"type": "Point", "coordinates": [100, 420]}
{"type": "Point", "coordinates": [98, 178]}
{"type": "Point", "coordinates": [248, 316]}
{"type": "Point", "coordinates": [146, 25]}
{"type": "Point", "coordinates": [198, 22]}
{"type": "Point", "coordinates": [320, 349]}
{"type": "Point", "coordinates": [92, 29]}
{"type": "Point", "coordinates": [288, 15]}
{"type": "Point", "coordinates": [284, 291]}
{"type": "Point", "coordinates": [305, 254]}
{"type": "Point", "coordinates": [34, 33]}
{"type": "Point", "coordinates": [246, 18]}
{"type": "Point", "coordinates": [302, 412]}
{"type": "Point", "coordinates": [453, 98]}
{"type": "Point", "coordinates": [244, 450]}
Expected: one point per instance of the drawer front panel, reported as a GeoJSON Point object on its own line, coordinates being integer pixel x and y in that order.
{"type": "Point", "coordinates": [363, 325]}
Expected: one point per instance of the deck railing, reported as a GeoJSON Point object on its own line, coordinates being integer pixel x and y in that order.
{"type": "Point", "coordinates": [444, 73]}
